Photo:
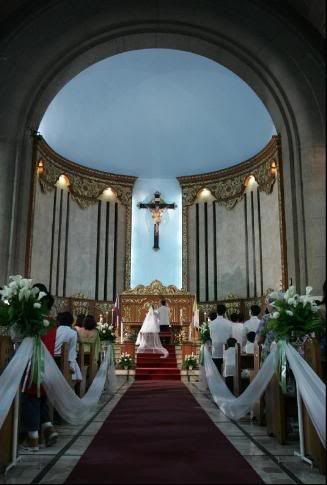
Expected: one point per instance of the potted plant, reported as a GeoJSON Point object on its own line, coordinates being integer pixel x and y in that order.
{"type": "Point", "coordinates": [190, 362]}
{"type": "Point", "coordinates": [106, 332]}
{"type": "Point", "coordinates": [125, 361]}
{"type": "Point", "coordinates": [204, 333]}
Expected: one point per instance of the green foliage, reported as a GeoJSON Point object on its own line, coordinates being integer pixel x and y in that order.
{"type": "Point", "coordinates": [295, 316]}
{"type": "Point", "coordinates": [204, 333]}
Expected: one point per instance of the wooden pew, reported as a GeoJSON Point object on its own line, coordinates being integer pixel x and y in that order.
{"type": "Point", "coordinates": [242, 361]}
{"type": "Point", "coordinates": [81, 387]}
{"type": "Point", "coordinates": [63, 363]}
{"type": "Point", "coordinates": [7, 430]}
{"type": "Point", "coordinates": [259, 407]}
{"type": "Point", "coordinates": [312, 443]}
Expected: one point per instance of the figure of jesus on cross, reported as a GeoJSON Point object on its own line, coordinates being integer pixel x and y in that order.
{"type": "Point", "coordinates": [157, 207]}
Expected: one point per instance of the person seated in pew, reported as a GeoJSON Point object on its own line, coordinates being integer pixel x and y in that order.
{"type": "Point", "coordinates": [229, 363]}
{"type": "Point", "coordinates": [237, 327]}
{"type": "Point", "coordinates": [35, 416]}
{"type": "Point", "coordinates": [220, 330]}
{"type": "Point", "coordinates": [65, 334]}
{"type": "Point", "coordinates": [252, 324]}
{"type": "Point", "coordinates": [79, 323]}
{"type": "Point", "coordinates": [249, 346]}
{"type": "Point", "coordinates": [89, 335]}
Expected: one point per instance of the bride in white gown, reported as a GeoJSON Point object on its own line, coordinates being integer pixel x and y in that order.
{"type": "Point", "coordinates": [148, 338]}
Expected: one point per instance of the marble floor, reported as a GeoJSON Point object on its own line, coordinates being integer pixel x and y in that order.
{"type": "Point", "coordinates": [275, 464]}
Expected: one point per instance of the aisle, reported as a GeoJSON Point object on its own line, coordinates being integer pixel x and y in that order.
{"type": "Point", "coordinates": [159, 434]}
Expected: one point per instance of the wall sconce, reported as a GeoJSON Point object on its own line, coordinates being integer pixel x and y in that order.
{"type": "Point", "coordinates": [205, 195]}
{"type": "Point", "coordinates": [273, 169]}
{"type": "Point", "coordinates": [108, 195]}
{"type": "Point", "coordinates": [63, 182]}
{"type": "Point", "coordinates": [40, 168]}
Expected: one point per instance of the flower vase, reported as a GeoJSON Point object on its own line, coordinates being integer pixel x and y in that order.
{"type": "Point", "coordinates": [190, 367]}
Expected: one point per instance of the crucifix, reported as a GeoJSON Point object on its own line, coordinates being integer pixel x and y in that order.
{"type": "Point", "coordinates": [157, 207]}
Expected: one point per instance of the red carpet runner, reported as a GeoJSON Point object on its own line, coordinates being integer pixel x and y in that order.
{"type": "Point", "coordinates": [159, 434]}
{"type": "Point", "coordinates": [153, 367]}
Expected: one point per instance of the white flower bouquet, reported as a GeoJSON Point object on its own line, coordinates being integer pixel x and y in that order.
{"type": "Point", "coordinates": [125, 361]}
{"type": "Point", "coordinates": [22, 309]}
{"type": "Point", "coordinates": [190, 362]}
{"type": "Point", "coordinates": [106, 332]}
{"type": "Point", "coordinates": [295, 315]}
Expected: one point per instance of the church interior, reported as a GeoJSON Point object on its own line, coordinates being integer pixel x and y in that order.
{"type": "Point", "coordinates": [162, 241]}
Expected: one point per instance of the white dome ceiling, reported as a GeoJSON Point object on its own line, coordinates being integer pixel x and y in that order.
{"type": "Point", "coordinates": [157, 113]}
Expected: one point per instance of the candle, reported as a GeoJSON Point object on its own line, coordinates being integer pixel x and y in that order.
{"type": "Point", "coordinates": [101, 319]}
{"type": "Point", "coordinates": [121, 332]}
{"type": "Point", "coordinates": [112, 316]}
{"type": "Point", "coordinates": [107, 317]}
{"type": "Point", "coordinates": [180, 316]}
{"type": "Point", "coordinates": [205, 316]}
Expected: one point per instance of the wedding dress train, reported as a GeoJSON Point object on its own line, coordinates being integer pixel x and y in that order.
{"type": "Point", "coordinates": [148, 338]}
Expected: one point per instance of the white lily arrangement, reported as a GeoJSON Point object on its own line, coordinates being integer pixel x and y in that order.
{"type": "Point", "coordinates": [190, 360]}
{"type": "Point", "coordinates": [294, 314]}
{"type": "Point", "coordinates": [22, 308]}
{"type": "Point", "coordinates": [125, 360]}
{"type": "Point", "coordinates": [106, 332]}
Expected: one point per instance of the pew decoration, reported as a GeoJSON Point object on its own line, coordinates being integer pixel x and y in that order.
{"type": "Point", "coordinates": [71, 408]}
{"type": "Point", "coordinates": [295, 317]}
{"type": "Point", "coordinates": [23, 311]}
{"type": "Point", "coordinates": [106, 332]}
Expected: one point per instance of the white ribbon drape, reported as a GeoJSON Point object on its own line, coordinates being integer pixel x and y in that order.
{"type": "Point", "coordinates": [312, 389]}
{"type": "Point", "coordinates": [12, 375]}
{"type": "Point", "coordinates": [72, 409]}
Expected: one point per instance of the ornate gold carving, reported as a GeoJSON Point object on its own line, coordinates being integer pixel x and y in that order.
{"type": "Point", "coordinates": [86, 185]}
{"type": "Point", "coordinates": [228, 185]}
{"type": "Point", "coordinates": [156, 288]}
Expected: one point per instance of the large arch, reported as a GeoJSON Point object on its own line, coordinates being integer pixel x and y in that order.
{"type": "Point", "coordinates": [60, 39]}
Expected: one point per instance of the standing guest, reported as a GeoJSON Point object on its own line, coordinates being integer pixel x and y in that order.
{"type": "Point", "coordinates": [237, 327]}
{"type": "Point", "coordinates": [220, 330]}
{"type": "Point", "coordinates": [35, 411]}
{"type": "Point", "coordinates": [65, 334]}
{"type": "Point", "coordinates": [89, 335]}
{"type": "Point", "coordinates": [252, 324]}
{"type": "Point", "coordinates": [265, 337]}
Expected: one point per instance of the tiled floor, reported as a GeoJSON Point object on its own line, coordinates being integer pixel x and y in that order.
{"type": "Point", "coordinates": [274, 463]}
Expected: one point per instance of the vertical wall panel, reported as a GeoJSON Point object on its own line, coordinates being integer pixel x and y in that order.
{"type": "Point", "coordinates": [121, 246]}
{"type": "Point", "coordinates": [202, 253]}
{"type": "Point", "coordinates": [211, 259]}
{"type": "Point", "coordinates": [231, 251]}
{"type": "Point", "coordinates": [192, 266]}
{"type": "Point", "coordinates": [82, 248]}
{"type": "Point", "coordinates": [42, 232]}
{"type": "Point", "coordinates": [271, 240]}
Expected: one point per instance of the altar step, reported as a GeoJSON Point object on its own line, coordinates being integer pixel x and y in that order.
{"type": "Point", "coordinates": [154, 373]}
{"type": "Point", "coordinates": [154, 367]}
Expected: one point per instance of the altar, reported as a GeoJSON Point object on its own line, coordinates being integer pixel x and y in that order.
{"type": "Point", "coordinates": [134, 305]}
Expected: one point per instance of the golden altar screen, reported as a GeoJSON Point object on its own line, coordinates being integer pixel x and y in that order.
{"type": "Point", "coordinates": [134, 303]}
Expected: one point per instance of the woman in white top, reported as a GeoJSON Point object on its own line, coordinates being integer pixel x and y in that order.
{"type": "Point", "coordinates": [148, 338]}
{"type": "Point", "coordinates": [65, 334]}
